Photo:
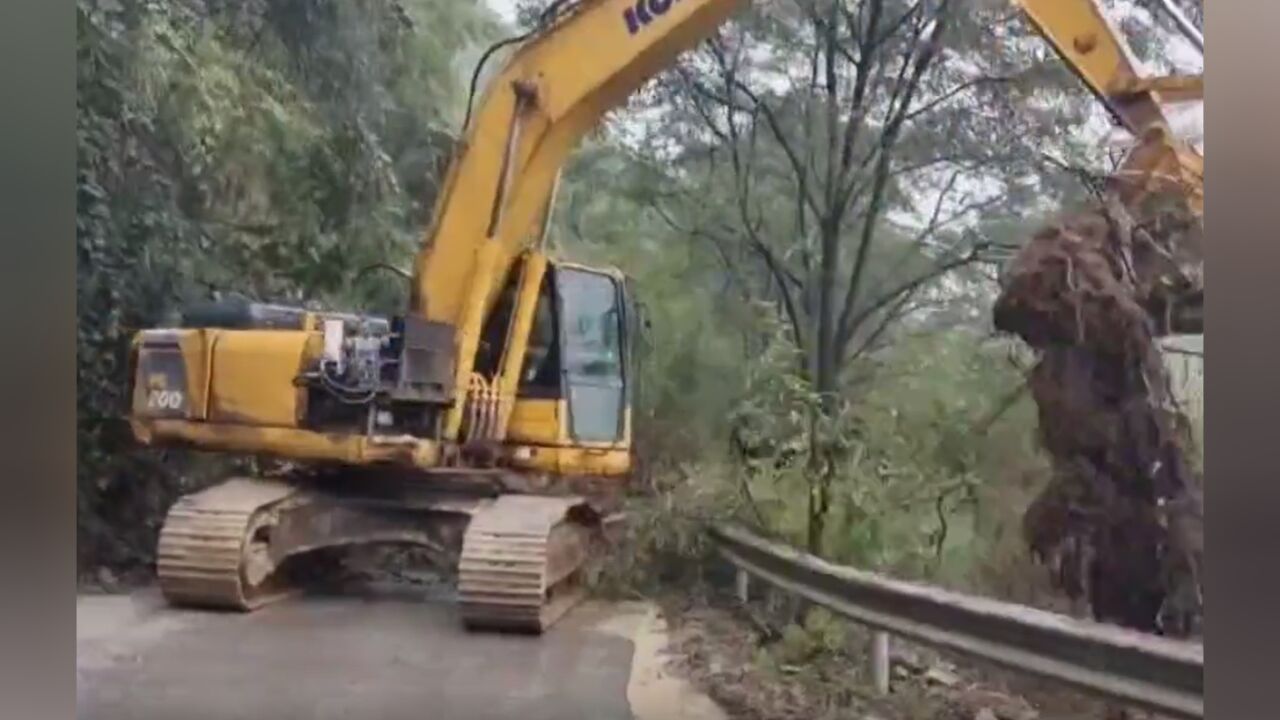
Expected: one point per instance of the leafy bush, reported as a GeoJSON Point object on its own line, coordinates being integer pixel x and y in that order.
{"type": "Point", "coordinates": [666, 544]}
{"type": "Point", "coordinates": [268, 149]}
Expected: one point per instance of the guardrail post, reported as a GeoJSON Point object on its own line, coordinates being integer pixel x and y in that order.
{"type": "Point", "coordinates": [1158, 674]}
{"type": "Point", "coordinates": [880, 661]}
{"type": "Point", "coordinates": [741, 585]}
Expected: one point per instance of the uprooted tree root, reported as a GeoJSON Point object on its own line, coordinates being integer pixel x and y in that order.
{"type": "Point", "coordinates": [1120, 520]}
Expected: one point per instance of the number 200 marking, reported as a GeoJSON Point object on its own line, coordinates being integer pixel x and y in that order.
{"type": "Point", "coordinates": [165, 399]}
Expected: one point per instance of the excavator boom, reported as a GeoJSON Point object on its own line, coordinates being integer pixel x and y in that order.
{"type": "Point", "coordinates": [1096, 52]}
{"type": "Point", "coordinates": [587, 59]}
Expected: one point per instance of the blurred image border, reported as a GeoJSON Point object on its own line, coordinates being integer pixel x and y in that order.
{"type": "Point", "coordinates": [37, 180]}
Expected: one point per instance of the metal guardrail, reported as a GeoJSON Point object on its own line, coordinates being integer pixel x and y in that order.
{"type": "Point", "coordinates": [1162, 675]}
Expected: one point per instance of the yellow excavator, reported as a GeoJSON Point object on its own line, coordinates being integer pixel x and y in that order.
{"type": "Point", "coordinates": [491, 423]}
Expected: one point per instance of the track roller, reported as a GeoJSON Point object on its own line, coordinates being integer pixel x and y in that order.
{"type": "Point", "coordinates": [213, 549]}
{"type": "Point", "coordinates": [520, 562]}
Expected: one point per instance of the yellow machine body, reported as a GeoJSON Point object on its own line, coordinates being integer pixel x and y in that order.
{"type": "Point", "coordinates": [239, 390]}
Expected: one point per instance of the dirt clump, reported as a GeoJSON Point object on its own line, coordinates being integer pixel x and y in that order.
{"type": "Point", "coordinates": [1119, 522]}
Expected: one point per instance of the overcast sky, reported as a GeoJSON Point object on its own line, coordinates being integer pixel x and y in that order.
{"type": "Point", "coordinates": [505, 8]}
{"type": "Point", "coordinates": [1188, 120]}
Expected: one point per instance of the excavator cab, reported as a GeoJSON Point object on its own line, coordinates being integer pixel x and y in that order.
{"type": "Point", "coordinates": [572, 405]}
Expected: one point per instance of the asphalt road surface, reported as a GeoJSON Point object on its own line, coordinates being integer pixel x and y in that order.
{"type": "Point", "coordinates": [384, 654]}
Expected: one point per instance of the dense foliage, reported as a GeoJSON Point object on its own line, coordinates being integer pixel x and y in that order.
{"type": "Point", "coordinates": [269, 148]}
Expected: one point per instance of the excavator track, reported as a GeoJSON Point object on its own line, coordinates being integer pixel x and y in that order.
{"type": "Point", "coordinates": [213, 546]}
{"type": "Point", "coordinates": [520, 568]}
{"type": "Point", "coordinates": [521, 563]}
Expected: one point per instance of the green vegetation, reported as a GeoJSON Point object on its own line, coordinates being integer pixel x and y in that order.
{"type": "Point", "coordinates": [269, 149]}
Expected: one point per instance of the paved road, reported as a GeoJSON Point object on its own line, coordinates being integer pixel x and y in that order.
{"type": "Point", "coordinates": [386, 654]}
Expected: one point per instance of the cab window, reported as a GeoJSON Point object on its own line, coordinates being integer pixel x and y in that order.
{"type": "Point", "coordinates": [591, 340]}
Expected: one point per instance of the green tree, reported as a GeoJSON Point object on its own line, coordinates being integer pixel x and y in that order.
{"type": "Point", "coordinates": [269, 149]}
{"type": "Point", "coordinates": [839, 155]}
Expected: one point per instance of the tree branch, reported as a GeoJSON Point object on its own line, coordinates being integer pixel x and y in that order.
{"type": "Point", "coordinates": [888, 138]}
{"type": "Point", "coordinates": [797, 328]}
{"type": "Point", "coordinates": [802, 229]}
{"type": "Point", "coordinates": [896, 312]}
{"type": "Point", "coordinates": [983, 426]}
{"type": "Point", "coordinates": [904, 92]}
{"type": "Point", "coordinates": [779, 273]}
{"type": "Point", "coordinates": [911, 286]}
{"type": "Point", "coordinates": [831, 30]}
{"type": "Point", "coordinates": [775, 126]}
{"type": "Point", "coordinates": [868, 51]}
{"type": "Point", "coordinates": [893, 27]}
{"type": "Point", "coordinates": [962, 87]}
{"type": "Point", "coordinates": [879, 183]}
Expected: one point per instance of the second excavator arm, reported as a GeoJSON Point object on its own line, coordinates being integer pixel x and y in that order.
{"type": "Point", "coordinates": [1158, 163]}
{"type": "Point", "coordinates": [1094, 50]}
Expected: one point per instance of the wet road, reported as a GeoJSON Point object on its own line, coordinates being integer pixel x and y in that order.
{"type": "Point", "coordinates": [385, 654]}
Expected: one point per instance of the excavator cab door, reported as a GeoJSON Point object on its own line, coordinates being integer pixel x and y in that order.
{"type": "Point", "coordinates": [593, 322]}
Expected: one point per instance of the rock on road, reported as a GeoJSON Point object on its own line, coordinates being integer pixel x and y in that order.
{"type": "Point", "coordinates": [387, 656]}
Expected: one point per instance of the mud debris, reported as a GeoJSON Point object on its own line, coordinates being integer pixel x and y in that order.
{"type": "Point", "coordinates": [720, 652]}
{"type": "Point", "coordinates": [1119, 522]}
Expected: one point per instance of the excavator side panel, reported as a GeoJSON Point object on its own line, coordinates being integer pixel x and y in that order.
{"type": "Point", "coordinates": [253, 373]}
{"type": "Point", "coordinates": [536, 421]}
{"type": "Point", "coordinates": [243, 377]}
{"type": "Point", "coordinates": [169, 369]}
{"type": "Point", "coordinates": [537, 440]}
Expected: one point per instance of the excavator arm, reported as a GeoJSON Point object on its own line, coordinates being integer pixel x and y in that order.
{"type": "Point", "coordinates": [1158, 162]}
{"type": "Point", "coordinates": [587, 59]}
{"type": "Point", "coordinates": [1095, 51]}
